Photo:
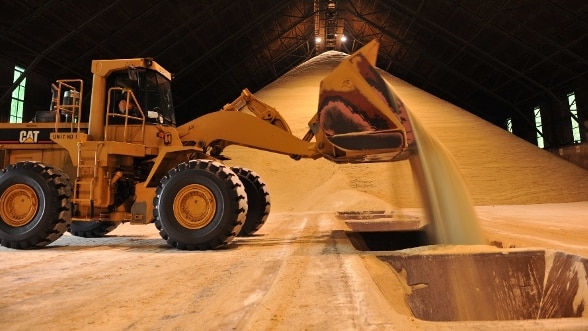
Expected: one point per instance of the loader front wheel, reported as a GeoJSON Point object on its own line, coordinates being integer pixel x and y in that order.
{"type": "Point", "coordinates": [258, 200]}
{"type": "Point", "coordinates": [34, 205]}
{"type": "Point", "coordinates": [92, 229]}
{"type": "Point", "coordinates": [199, 205]}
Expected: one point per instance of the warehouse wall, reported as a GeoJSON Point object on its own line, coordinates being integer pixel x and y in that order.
{"type": "Point", "coordinates": [37, 92]}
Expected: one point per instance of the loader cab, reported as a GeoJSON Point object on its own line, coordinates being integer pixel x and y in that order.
{"type": "Point", "coordinates": [148, 88]}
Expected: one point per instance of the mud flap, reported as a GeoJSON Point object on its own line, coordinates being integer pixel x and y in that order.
{"type": "Point", "coordinates": [139, 212]}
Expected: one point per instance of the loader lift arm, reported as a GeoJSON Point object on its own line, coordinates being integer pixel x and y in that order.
{"type": "Point", "coordinates": [266, 130]}
{"type": "Point", "coordinates": [259, 109]}
{"type": "Point", "coordinates": [215, 131]}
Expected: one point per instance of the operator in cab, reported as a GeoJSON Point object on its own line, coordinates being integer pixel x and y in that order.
{"type": "Point", "coordinates": [123, 105]}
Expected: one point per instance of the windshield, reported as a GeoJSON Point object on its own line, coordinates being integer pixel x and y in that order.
{"type": "Point", "coordinates": [153, 93]}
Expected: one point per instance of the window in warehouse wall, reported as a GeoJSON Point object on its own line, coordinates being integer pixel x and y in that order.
{"type": "Point", "coordinates": [574, 117]}
{"type": "Point", "coordinates": [18, 94]}
{"type": "Point", "coordinates": [539, 126]}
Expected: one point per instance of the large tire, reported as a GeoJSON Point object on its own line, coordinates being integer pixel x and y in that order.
{"type": "Point", "coordinates": [34, 205]}
{"type": "Point", "coordinates": [92, 229]}
{"type": "Point", "coordinates": [258, 200]}
{"type": "Point", "coordinates": [199, 205]}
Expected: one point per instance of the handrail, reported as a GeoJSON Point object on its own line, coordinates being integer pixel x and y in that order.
{"type": "Point", "coordinates": [73, 107]}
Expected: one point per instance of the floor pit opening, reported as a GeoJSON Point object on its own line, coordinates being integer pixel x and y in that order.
{"type": "Point", "coordinates": [495, 285]}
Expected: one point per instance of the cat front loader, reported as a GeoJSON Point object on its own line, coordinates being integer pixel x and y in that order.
{"type": "Point", "coordinates": [125, 160]}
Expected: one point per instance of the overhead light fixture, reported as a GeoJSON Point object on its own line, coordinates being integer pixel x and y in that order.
{"type": "Point", "coordinates": [343, 38]}
{"type": "Point", "coordinates": [317, 40]}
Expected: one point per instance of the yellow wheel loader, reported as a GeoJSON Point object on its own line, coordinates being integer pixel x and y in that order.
{"type": "Point", "coordinates": [126, 160]}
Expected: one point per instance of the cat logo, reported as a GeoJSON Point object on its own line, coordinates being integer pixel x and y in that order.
{"type": "Point", "coordinates": [28, 137]}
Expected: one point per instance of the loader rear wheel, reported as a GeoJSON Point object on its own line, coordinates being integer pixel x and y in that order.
{"type": "Point", "coordinates": [92, 229]}
{"type": "Point", "coordinates": [258, 200]}
{"type": "Point", "coordinates": [199, 205]}
{"type": "Point", "coordinates": [34, 205]}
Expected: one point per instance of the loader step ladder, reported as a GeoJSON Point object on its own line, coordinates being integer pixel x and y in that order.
{"type": "Point", "coordinates": [87, 159]}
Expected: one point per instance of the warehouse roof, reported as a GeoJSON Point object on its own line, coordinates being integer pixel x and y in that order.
{"type": "Point", "coordinates": [493, 58]}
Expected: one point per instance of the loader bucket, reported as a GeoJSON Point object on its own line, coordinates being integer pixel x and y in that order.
{"type": "Point", "coordinates": [359, 117]}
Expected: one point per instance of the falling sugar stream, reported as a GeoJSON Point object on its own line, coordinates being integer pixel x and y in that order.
{"type": "Point", "coordinates": [449, 208]}
{"type": "Point", "coordinates": [452, 220]}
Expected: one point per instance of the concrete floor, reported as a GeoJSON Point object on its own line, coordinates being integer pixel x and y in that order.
{"type": "Point", "coordinates": [300, 272]}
